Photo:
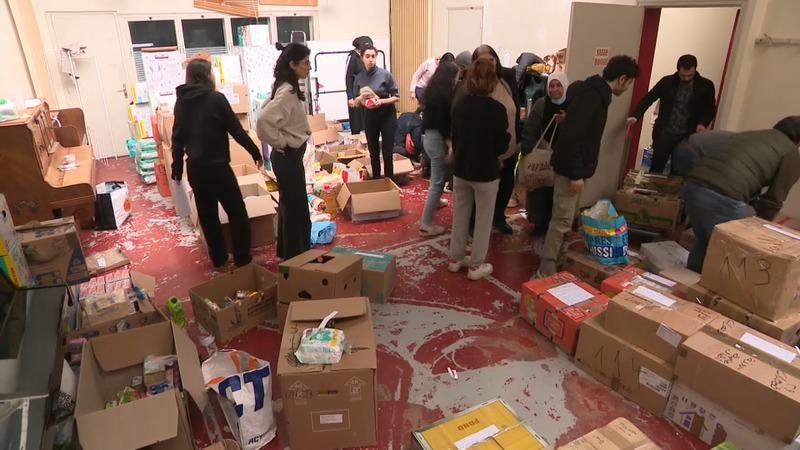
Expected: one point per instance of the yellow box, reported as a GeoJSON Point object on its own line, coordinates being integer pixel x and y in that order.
{"type": "Point", "coordinates": [15, 267]}
{"type": "Point", "coordinates": [492, 425]}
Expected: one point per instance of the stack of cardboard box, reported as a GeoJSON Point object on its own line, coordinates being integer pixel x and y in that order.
{"type": "Point", "coordinates": [586, 267]}
{"type": "Point", "coordinates": [651, 201]}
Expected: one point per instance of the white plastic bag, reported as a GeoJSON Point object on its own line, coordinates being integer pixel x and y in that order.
{"type": "Point", "coordinates": [247, 382]}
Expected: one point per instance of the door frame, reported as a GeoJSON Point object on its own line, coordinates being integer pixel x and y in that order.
{"type": "Point", "coordinates": [456, 8]}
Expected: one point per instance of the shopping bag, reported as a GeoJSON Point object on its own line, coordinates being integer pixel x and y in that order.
{"type": "Point", "coordinates": [322, 232]}
{"type": "Point", "coordinates": [245, 383]}
{"type": "Point", "coordinates": [534, 170]}
{"type": "Point", "coordinates": [605, 233]}
{"type": "Point", "coordinates": [112, 205]}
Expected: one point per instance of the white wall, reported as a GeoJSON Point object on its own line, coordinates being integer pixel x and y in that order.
{"type": "Point", "coordinates": [15, 84]}
{"type": "Point", "coordinates": [707, 38]}
{"type": "Point", "coordinates": [347, 19]}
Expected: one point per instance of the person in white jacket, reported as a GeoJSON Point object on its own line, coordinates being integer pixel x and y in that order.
{"type": "Point", "coordinates": [282, 124]}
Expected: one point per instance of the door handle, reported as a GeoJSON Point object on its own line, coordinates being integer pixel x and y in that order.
{"type": "Point", "coordinates": [124, 90]}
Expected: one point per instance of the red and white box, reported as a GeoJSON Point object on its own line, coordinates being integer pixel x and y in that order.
{"type": "Point", "coordinates": [632, 276]}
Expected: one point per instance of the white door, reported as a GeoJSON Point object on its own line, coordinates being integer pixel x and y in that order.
{"type": "Point", "coordinates": [593, 29]}
{"type": "Point", "coordinates": [101, 76]}
{"type": "Point", "coordinates": [464, 29]}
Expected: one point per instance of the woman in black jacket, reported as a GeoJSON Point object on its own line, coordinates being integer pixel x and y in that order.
{"type": "Point", "coordinates": [203, 119]}
{"type": "Point", "coordinates": [354, 67]}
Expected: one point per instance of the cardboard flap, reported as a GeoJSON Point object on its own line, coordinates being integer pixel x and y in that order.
{"type": "Point", "coordinates": [144, 282]}
{"type": "Point", "coordinates": [300, 259]}
{"type": "Point", "coordinates": [117, 351]}
{"type": "Point", "coordinates": [317, 122]}
{"type": "Point", "coordinates": [189, 366]}
{"type": "Point", "coordinates": [47, 224]}
{"type": "Point", "coordinates": [120, 428]}
{"type": "Point", "coordinates": [343, 197]}
{"type": "Point", "coordinates": [315, 311]}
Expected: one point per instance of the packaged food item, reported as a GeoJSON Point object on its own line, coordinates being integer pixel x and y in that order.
{"type": "Point", "coordinates": [159, 373]}
{"type": "Point", "coordinates": [321, 345]}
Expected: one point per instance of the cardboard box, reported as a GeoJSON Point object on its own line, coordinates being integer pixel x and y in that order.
{"type": "Point", "coordinates": [370, 200]}
{"type": "Point", "coordinates": [330, 406]}
{"type": "Point", "coordinates": [239, 155]}
{"type": "Point", "coordinates": [637, 374]}
{"type": "Point", "coordinates": [317, 122]}
{"type": "Point", "coordinates": [238, 96]}
{"type": "Point", "coordinates": [556, 306]}
{"type": "Point", "coordinates": [683, 278]}
{"type": "Point", "coordinates": [649, 210]}
{"type": "Point", "coordinates": [53, 251]}
{"type": "Point", "coordinates": [491, 425]}
{"type": "Point", "coordinates": [248, 174]}
{"type": "Point", "coordinates": [712, 423]}
{"type": "Point", "coordinates": [664, 255]}
{"type": "Point", "coordinates": [325, 160]}
{"type": "Point", "coordinates": [228, 321]}
{"type": "Point", "coordinates": [586, 267]}
{"type": "Point", "coordinates": [786, 329]}
{"type": "Point", "coordinates": [755, 264]}
{"type": "Point", "coordinates": [326, 136]}
{"type": "Point", "coordinates": [746, 372]}
{"type": "Point", "coordinates": [8, 235]}
{"type": "Point", "coordinates": [379, 273]}
{"type": "Point", "coordinates": [620, 434]}
{"type": "Point", "coordinates": [347, 153]}
{"type": "Point", "coordinates": [260, 210]}
{"type": "Point", "coordinates": [401, 165]}
{"type": "Point", "coordinates": [109, 363]}
{"type": "Point", "coordinates": [143, 313]}
{"type": "Point", "coordinates": [15, 267]}
{"type": "Point", "coordinates": [656, 321]}
{"type": "Point", "coordinates": [653, 182]}
{"type": "Point", "coordinates": [631, 277]}
{"type": "Point", "coordinates": [316, 275]}
{"type": "Point", "coordinates": [106, 261]}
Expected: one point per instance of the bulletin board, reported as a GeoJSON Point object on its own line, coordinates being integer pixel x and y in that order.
{"type": "Point", "coordinates": [163, 72]}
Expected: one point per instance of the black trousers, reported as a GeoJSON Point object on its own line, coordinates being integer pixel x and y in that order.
{"type": "Point", "coordinates": [294, 220]}
{"type": "Point", "coordinates": [506, 188]}
{"type": "Point", "coordinates": [380, 128]}
{"type": "Point", "coordinates": [214, 184]}
{"type": "Point", "coordinates": [539, 204]}
{"type": "Point", "coordinates": [663, 145]}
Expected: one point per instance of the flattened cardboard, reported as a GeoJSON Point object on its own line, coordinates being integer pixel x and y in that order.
{"type": "Point", "coordinates": [330, 406]}
{"type": "Point", "coordinates": [747, 380]}
{"type": "Point", "coordinates": [53, 251]}
{"type": "Point", "coordinates": [370, 200]}
{"type": "Point", "coordinates": [106, 261]}
{"type": "Point", "coordinates": [589, 269]}
{"type": "Point", "coordinates": [755, 264]}
{"type": "Point", "coordinates": [379, 274]}
{"type": "Point", "coordinates": [654, 327]}
{"type": "Point", "coordinates": [664, 255]}
{"type": "Point", "coordinates": [226, 323]}
{"type": "Point", "coordinates": [786, 329]}
{"type": "Point", "coordinates": [712, 423]}
{"type": "Point", "coordinates": [637, 374]}
{"type": "Point", "coordinates": [620, 434]}
{"type": "Point", "coordinates": [108, 364]}
{"type": "Point", "coordinates": [649, 209]}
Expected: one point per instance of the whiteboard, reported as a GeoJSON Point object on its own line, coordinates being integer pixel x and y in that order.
{"type": "Point", "coordinates": [327, 72]}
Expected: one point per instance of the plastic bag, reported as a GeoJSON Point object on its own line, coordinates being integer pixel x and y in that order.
{"type": "Point", "coordinates": [247, 382]}
{"type": "Point", "coordinates": [321, 345]}
{"type": "Point", "coordinates": [606, 233]}
{"type": "Point", "coordinates": [322, 232]}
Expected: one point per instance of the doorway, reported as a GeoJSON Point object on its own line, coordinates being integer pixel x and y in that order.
{"type": "Point", "coordinates": [100, 73]}
{"type": "Point", "coordinates": [464, 28]}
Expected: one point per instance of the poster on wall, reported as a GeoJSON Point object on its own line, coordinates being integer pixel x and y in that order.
{"type": "Point", "coordinates": [601, 56]}
{"type": "Point", "coordinates": [163, 71]}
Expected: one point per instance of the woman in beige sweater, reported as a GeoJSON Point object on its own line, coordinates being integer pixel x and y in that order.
{"type": "Point", "coordinates": [283, 125]}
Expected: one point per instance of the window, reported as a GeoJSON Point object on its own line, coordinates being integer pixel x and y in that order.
{"type": "Point", "coordinates": [293, 28]}
{"type": "Point", "coordinates": [239, 22]}
{"type": "Point", "coordinates": [204, 35]}
{"type": "Point", "coordinates": [150, 33]}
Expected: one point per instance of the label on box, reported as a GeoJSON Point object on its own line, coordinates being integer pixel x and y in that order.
{"type": "Point", "coordinates": [668, 334]}
{"type": "Point", "coordinates": [769, 348]}
{"type": "Point", "coordinates": [474, 438]}
{"type": "Point", "coordinates": [649, 294]}
{"type": "Point", "coordinates": [101, 262]}
{"type": "Point", "coordinates": [659, 279]}
{"type": "Point", "coordinates": [654, 381]}
{"type": "Point", "coordinates": [330, 419]}
{"type": "Point", "coordinates": [570, 294]}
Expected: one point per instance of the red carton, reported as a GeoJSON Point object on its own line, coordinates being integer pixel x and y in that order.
{"type": "Point", "coordinates": [632, 276]}
{"type": "Point", "coordinates": [556, 307]}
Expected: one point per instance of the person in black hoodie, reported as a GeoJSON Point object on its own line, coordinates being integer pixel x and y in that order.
{"type": "Point", "coordinates": [203, 119]}
{"type": "Point", "coordinates": [577, 150]}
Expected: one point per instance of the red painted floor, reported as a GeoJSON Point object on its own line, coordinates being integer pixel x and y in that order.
{"type": "Point", "coordinates": [433, 320]}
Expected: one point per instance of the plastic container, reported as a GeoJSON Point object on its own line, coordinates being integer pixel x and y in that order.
{"type": "Point", "coordinates": [176, 313]}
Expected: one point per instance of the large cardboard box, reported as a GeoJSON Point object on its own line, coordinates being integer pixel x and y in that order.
{"type": "Point", "coordinates": [109, 363]}
{"type": "Point", "coordinates": [683, 278]}
{"type": "Point", "coordinates": [53, 251]}
{"type": "Point", "coordinates": [260, 210]}
{"type": "Point", "coordinates": [620, 434]}
{"type": "Point", "coordinates": [637, 374]}
{"type": "Point", "coordinates": [746, 372]}
{"type": "Point", "coordinates": [330, 406]}
{"type": "Point", "coordinates": [316, 275]}
{"type": "Point", "coordinates": [370, 200]}
{"type": "Point", "coordinates": [649, 209]}
{"type": "Point", "coordinates": [347, 153]}
{"type": "Point", "coordinates": [755, 264]}
{"type": "Point", "coordinates": [492, 425]}
{"type": "Point", "coordinates": [653, 182]}
{"type": "Point", "coordinates": [556, 306]}
{"type": "Point", "coordinates": [586, 267]}
{"type": "Point", "coordinates": [379, 273]}
{"type": "Point", "coordinates": [656, 321]}
{"type": "Point", "coordinates": [248, 174]}
{"type": "Point", "coordinates": [631, 277]}
{"type": "Point", "coordinates": [664, 255]}
{"type": "Point", "coordinates": [228, 320]}
{"type": "Point", "coordinates": [712, 423]}
{"type": "Point", "coordinates": [786, 329]}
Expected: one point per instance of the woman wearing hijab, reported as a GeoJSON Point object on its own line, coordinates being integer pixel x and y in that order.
{"type": "Point", "coordinates": [354, 67]}
{"type": "Point", "coordinates": [540, 124]}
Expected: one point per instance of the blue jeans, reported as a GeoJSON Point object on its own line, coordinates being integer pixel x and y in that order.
{"type": "Point", "coordinates": [706, 209]}
{"type": "Point", "coordinates": [436, 148]}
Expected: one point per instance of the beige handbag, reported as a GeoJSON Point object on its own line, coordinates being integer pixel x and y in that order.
{"type": "Point", "coordinates": [534, 169]}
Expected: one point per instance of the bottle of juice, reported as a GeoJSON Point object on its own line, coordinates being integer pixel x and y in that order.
{"type": "Point", "coordinates": [330, 199]}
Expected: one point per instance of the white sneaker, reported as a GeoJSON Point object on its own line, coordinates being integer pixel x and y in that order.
{"type": "Point", "coordinates": [482, 271]}
{"type": "Point", "coordinates": [456, 266]}
{"type": "Point", "coordinates": [443, 203]}
{"type": "Point", "coordinates": [433, 230]}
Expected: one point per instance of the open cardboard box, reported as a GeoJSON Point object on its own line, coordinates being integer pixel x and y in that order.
{"type": "Point", "coordinates": [109, 363]}
{"type": "Point", "coordinates": [347, 153]}
{"type": "Point", "coordinates": [238, 153]}
{"type": "Point", "coordinates": [225, 323]}
{"type": "Point", "coordinates": [248, 174]}
{"type": "Point", "coordinates": [402, 166]}
{"type": "Point", "coordinates": [326, 160]}
{"type": "Point", "coordinates": [260, 210]}
{"type": "Point", "coordinates": [53, 251]}
{"type": "Point", "coordinates": [649, 209]}
{"type": "Point", "coordinates": [370, 200]}
{"type": "Point", "coordinates": [330, 406]}
{"type": "Point", "coordinates": [326, 136]}
{"type": "Point", "coordinates": [379, 272]}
